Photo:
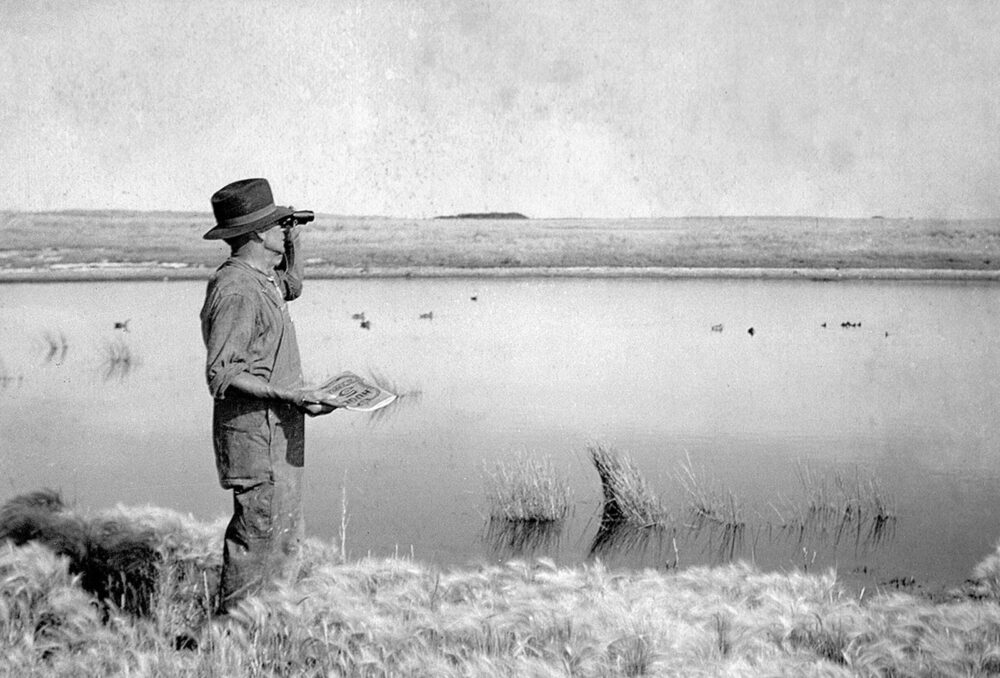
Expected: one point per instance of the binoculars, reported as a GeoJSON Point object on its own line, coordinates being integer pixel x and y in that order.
{"type": "Point", "coordinates": [299, 217]}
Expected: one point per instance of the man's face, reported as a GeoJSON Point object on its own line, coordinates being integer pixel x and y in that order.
{"type": "Point", "coordinates": [274, 239]}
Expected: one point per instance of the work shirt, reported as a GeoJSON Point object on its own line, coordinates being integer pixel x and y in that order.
{"type": "Point", "coordinates": [247, 329]}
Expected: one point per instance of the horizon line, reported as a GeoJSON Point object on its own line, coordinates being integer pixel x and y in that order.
{"type": "Point", "coordinates": [485, 217]}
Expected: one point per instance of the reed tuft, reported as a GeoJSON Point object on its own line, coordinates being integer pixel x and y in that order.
{"type": "Point", "coordinates": [526, 488]}
{"type": "Point", "coordinates": [838, 506]}
{"type": "Point", "coordinates": [715, 513]}
{"type": "Point", "coordinates": [627, 497]}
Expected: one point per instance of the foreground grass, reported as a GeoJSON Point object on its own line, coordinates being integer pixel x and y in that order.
{"type": "Point", "coordinates": [50, 241]}
{"type": "Point", "coordinates": [400, 617]}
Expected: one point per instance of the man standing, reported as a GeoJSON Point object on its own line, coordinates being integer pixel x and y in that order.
{"type": "Point", "coordinates": [255, 377]}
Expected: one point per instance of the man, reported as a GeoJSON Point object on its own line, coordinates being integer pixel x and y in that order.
{"type": "Point", "coordinates": [255, 376]}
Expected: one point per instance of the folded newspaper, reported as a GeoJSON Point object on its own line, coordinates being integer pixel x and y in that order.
{"type": "Point", "coordinates": [351, 392]}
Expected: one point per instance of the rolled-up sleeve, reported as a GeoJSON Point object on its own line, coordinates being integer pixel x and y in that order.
{"type": "Point", "coordinates": [228, 335]}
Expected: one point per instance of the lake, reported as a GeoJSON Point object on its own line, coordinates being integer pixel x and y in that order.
{"type": "Point", "coordinates": [882, 389]}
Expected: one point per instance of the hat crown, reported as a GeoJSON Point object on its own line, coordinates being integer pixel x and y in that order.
{"type": "Point", "coordinates": [244, 206]}
{"type": "Point", "coordinates": [241, 198]}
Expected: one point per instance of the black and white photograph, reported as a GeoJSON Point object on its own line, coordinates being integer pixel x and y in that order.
{"type": "Point", "coordinates": [485, 338]}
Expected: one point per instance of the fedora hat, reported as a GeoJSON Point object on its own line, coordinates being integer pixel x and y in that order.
{"type": "Point", "coordinates": [243, 207]}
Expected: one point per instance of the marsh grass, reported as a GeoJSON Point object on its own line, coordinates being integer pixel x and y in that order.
{"type": "Point", "coordinates": [707, 500]}
{"type": "Point", "coordinates": [715, 514]}
{"type": "Point", "coordinates": [838, 506]}
{"type": "Point", "coordinates": [398, 617]}
{"type": "Point", "coordinates": [526, 488]}
{"type": "Point", "coordinates": [627, 497]}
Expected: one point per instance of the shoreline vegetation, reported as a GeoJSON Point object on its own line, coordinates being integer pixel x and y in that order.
{"type": "Point", "coordinates": [85, 245]}
{"type": "Point", "coordinates": [130, 591]}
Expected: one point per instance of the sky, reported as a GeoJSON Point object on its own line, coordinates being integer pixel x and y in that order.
{"type": "Point", "coordinates": [568, 108]}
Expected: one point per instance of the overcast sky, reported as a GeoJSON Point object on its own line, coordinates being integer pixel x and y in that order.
{"type": "Point", "coordinates": [572, 108]}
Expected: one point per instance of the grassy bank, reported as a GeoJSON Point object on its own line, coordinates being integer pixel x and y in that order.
{"type": "Point", "coordinates": [400, 617]}
{"type": "Point", "coordinates": [111, 244]}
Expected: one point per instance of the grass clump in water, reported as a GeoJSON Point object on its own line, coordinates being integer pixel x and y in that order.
{"type": "Point", "coordinates": [839, 506]}
{"type": "Point", "coordinates": [708, 502]}
{"type": "Point", "coordinates": [526, 488]}
{"type": "Point", "coordinates": [714, 512]}
{"type": "Point", "coordinates": [627, 497]}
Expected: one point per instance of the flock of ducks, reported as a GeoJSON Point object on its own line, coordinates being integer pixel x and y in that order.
{"type": "Point", "coordinates": [720, 327]}
{"type": "Point", "coordinates": [846, 325]}
{"type": "Point", "coordinates": [366, 324]}
{"type": "Point", "coordinates": [429, 315]}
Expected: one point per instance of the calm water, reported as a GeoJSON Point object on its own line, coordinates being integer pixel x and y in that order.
{"type": "Point", "coordinates": [906, 397]}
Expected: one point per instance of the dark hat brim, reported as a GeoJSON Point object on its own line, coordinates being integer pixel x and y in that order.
{"type": "Point", "coordinates": [224, 231]}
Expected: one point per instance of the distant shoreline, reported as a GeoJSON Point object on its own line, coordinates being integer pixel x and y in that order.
{"type": "Point", "coordinates": [98, 273]}
{"type": "Point", "coordinates": [82, 246]}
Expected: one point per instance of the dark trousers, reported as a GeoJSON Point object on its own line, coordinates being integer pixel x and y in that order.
{"type": "Point", "coordinates": [264, 537]}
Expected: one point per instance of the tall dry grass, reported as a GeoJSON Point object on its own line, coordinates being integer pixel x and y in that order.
{"type": "Point", "coordinates": [398, 617]}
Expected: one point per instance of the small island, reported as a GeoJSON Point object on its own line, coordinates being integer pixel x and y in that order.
{"type": "Point", "coordinates": [484, 215]}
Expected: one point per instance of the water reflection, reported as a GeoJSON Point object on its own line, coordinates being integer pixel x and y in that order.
{"type": "Point", "coordinates": [7, 378]}
{"type": "Point", "coordinates": [719, 539]}
{"type": "Point", "coordinates": [56, 347]}
{"type": "Point", "coordinates": [507, 539]}
{"type": "Point", "coordinates": [866, 533]}
{"type": "Point", "coordinates": [406, 397]}
{"type": "Point", "coordinates": [701, 539]}
{"type": "Point", "coordinates": [713, 537]}
{"type": "Point", "coordinates": [615, 539]}
{"type": "Point", "coordinates": [118, 360]}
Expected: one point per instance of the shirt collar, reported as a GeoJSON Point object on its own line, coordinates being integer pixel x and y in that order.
{"type": "Point", "coordinates": [239, 263]}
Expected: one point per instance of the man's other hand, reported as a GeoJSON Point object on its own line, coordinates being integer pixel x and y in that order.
{"type": "Point", "coordinates": [311, 402]}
